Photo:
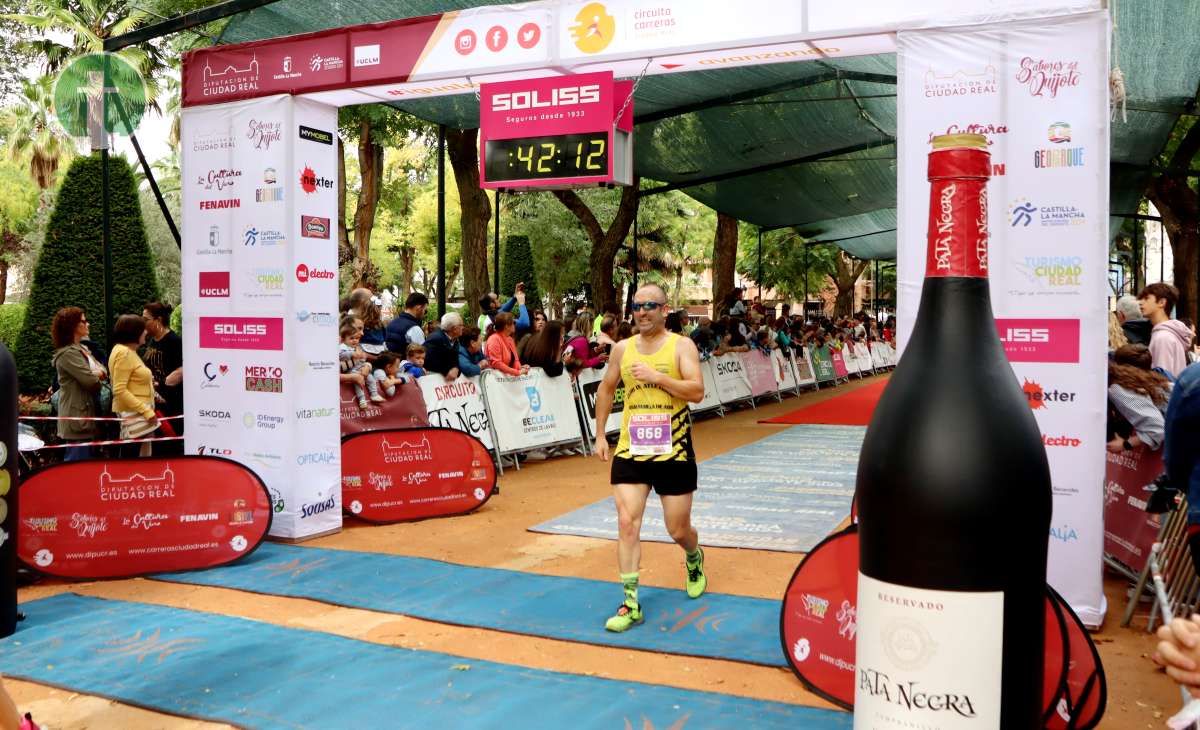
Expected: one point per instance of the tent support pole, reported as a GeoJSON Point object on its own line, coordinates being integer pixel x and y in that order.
{"type": "Point", "coordinates": [496, 248]}
{"type": "Point", "coordinates": [441, 195]}
{"type": "Point", "coordinates": [760, 265]}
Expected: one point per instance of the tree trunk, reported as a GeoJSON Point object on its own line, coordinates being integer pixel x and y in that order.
{"type": "Point", "coordinates": [3, 280]}
{"type": "Point", "coordinates": [408, 265]}
{"type": "Point", "coordinates": [370, 168]}
{"type": "Point", "coordinates": [725, 245]}
{"type": "Point", "coordinates": [343, 237]}
{"type": "Point", "coordinates": [1180, 209]}
{"type": "Point", "coordinates": [475, 210]}
{"type": "Point", "coordinates": [848, 271]}
{"type": "Point", "coordinates": [678, 286]}
{"type": "Point", "coordinates": [605, 244]}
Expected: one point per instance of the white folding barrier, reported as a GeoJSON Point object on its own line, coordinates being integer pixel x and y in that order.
{"type": "Point", "coordinates": [878, 359]}
{"type": "Point", "coordinates": [862, 356]}
{"type": "Point", "coordinates": [458, 405]}
{"type": "Point", "coordinates": [851, 361]}
{"type": "Point", "coordinates": [712, 398]}
{"type": "Point", "coordinates": [733, 385]}
{"type": "Point", "coordinates": [760, 374]}
{"type": "Point", "coordinates": [531, 411]}
{"type": "Point", "coordinates": [586, 385]}
{"type": "Point", "coordinates": [803, 368]}
{"type": "Point", "coordinates": [785, 371]}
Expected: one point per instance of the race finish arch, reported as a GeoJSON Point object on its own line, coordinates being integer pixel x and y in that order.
{"type": "Point", "coordinates": [259, 158]}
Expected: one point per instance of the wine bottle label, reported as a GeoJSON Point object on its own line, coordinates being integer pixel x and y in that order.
{"type": "Point", "coordinates": [958, 214]}
{"type": "Point", "coordinates": [927, 659]}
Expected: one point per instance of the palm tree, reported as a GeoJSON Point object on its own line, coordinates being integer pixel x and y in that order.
{"type": "Point", "coordinates": [36, 133]}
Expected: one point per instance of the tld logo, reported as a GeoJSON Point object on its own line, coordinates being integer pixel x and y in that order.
{"type": "Point", "coordinates": [535, 99]}
{"type": "Point", "coordinates": [1040, 340]}
{"type": "Point", "coordinates": [213, 451]}
{"type": "Point", "coordinates": [304, 274]}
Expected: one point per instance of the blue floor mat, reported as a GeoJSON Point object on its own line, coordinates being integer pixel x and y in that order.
{"type": "Point", "coordinates": [718, 626]}
{"type": "Point", "coordinates": [786, 492]}
{"type": "Point", "coordinates": [258, 675]}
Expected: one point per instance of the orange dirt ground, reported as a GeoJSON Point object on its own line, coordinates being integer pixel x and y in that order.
{"type": "Point", "coordinates": [496, 536]}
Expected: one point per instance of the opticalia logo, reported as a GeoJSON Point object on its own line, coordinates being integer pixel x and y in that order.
{"type": "Point", "coordinates": [270, 193]}
{"type": "Point", "coordinates": [214, 284]}
{"type": "Point", "coordinates": [594, 28]}
{"type": "Point", "coordinates": [565, 96]}
{"type": "Point", "coordinates": [1055, 272]}
{"type": "Point", "coordinates": [232, 79]}
{"type": "Point", "coordinates": [366, 55]}
{"type": "Point", "coordinates": [220, 204]}
{"type": "Point", "coordinates": [264, 379]}
{"type": "Point", "coordinates": [219, 179]}
{"type": "Point", "coordinates": [1023, 213]}
{"type": "Point", "coordinates": [319, 319]}
{"type": "Point", "coordinates": [1045, 159]}
{"type": "Point", "coordinates": [1046, 77]}
{"type": "Point", "coordinates": [1061, 441]}
{"type": "Point", "coordinates": [262, 134]}
{"type": "Point", "coordinates": [1065, 533]}
{"type": "Point", "coordinates": [313, 134]}
{"type": "Point", "coordinates": [212, 371]}
{"type": "Point", "coordinates": [241, 333]}
{"type": "Point", "coordinates": [312, 226]}
{"type": "Point", "coordinates": [1040, 340]}
{"type": "Point", "coordinates": [317, 457]}
{"type": "Point", "coordinates": [310, 181]}
{"type": "Point", "coordinates": [1059, 133]}
{"type": "Point", "coordinates": [304, 274]}
{"type": "Point", "coordinates": [960, 82]}
{"type": "Point", "coordinates": [253, 235]}
{"type": "Point", "coordinates": [1039, 397]}
{"type": "Point", "coordinates": [308, 510]}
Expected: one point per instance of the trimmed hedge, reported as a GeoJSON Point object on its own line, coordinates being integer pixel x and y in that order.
{"type": "Point", "coordinates": [12, 317]}
{"type": "Point", "coordinates": [517, 265]}
{"type": "Point", "coordinates": [70, 268]}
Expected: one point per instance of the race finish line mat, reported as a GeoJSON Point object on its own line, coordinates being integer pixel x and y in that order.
{"type": "Point", "coordinates": [785, 493]}
{"type": "Point", "coordinates": [258, 675]}
{"type": "Point", "coordinates": [716, 626]}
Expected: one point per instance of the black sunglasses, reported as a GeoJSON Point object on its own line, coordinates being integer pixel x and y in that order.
{"type": "Point", "coordinates": [647, 306]}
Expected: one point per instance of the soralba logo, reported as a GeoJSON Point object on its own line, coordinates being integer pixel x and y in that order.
{"type": "Point", "coordinates": [594, 28]}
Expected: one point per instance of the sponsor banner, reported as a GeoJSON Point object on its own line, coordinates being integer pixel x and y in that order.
{"type": "Point", "coordinates": [803, 365]}
{"type": "Point", "coordinates": [839, 364]}
{"type": "Point", "coordinates": [712, 397]}
{"type": "Point", "coordinates": [241, 333]}
{"type": "Point", "coordinates": [759, 372]}
{"type": "Point", "coordinates": [586, 383]}
{"type": "Point", "coordinates": [1129, 530]}
{"type": "Point", "coordinates": [457, 405]}
{"type": "Point", "coordinates": [862, 357]}
{"type": "Point", "coordinates": [1038, 90]}
{"type": "Point", "coordinates": [405, 409]}
{"type": "Point", "coordinates": [729, 374]}
{"type": "Point", "coordinates": [223, 74]}
{"type": "Point", "coordinates": [530, 410]}
{"type": "Point", "coordinates": [822, 363]}
{"type": "Point", "coordinates": [117, 518]}
{"type": "Point", "coordinates": [785, 370]}
{"type": "Point", "coordinates": [411, 474]}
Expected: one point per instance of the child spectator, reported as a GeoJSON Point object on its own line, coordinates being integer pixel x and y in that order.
{"type": "Point", "coordinates": [471, 360]}
{"type": "Point", "coordinates": [353, 362]}
{"type": "Point", "coordinates": [387, 373]}
{"type": "Point", "coordinates": [414, 360]}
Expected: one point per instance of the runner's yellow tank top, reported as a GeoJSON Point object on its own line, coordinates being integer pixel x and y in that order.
{"type": "Point", "coordinates": [660, 427]}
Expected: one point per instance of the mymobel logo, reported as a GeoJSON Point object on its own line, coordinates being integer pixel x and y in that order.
{"type": "Point", "coordinates": [1040, 340]}
{"type": "Point", "coordinates": [304, 274]}
{"type": "Point", "coordinates": [214, 284]}
{"type": "Point", "coordinates": [594, 28]}
{"type": "Point", "coordinates": [312, 226]}
{"type": "Point", "coordinates": [315, 135]}
{"type": "Point", "coordinates": [535, 99]}
{"type": "Point", "coordinates": [264, 379]}
{"type": "Point", "coordinates": [105, 77]}
{"type": "Point", "coordinates": [1039, 398]}
{"type": "Point", "coordinates": [366, 55]}
{"type": "Point", "coordinates": [310, 181]}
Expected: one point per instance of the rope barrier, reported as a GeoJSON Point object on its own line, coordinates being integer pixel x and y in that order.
{"type": "Point", "coordinates": [85, 418]}
{"type": "Point", "coordinates": [69, 445]}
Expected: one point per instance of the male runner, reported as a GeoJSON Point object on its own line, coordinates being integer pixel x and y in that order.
{"type": "Point", "coordinates": [661, 372]}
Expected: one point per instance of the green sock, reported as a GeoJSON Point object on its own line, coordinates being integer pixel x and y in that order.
{"type": "Point", "coordinates": [630, 582]}
{"type": "Point", "coordinates": [693, 558]}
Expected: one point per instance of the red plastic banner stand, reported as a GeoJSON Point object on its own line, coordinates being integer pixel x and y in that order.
{"type": "Point", "coordinates": [400, 475]}
{"type": "Point", "coordinates": [9, 460]}
{"type": "Point", "coordinates": [119, 518]}
{"type": "Point", "coordinates": [405, 409]}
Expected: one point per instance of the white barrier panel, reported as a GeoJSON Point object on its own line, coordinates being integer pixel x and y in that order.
{"type": "Point", "coordinates": [850, 359]}
{"type": "Point", "coordinates": [803, 368]}
{"type": "Point", "coordinates": [785, 372]}
{"type": "Point", "coordinates": [878, 359]}
{"type": "Point", "coordinates": [531, 410]}
{"type": "Point", "coordinates": [863, 357]}
{"type": "Point", "coordinates": [712, 398]}
{"type": "Point", "coordinates": [730, 377]}
{"type": "Point", "coordinates": [587, 382]}
{"type": "Point", "coordinates": [759, 373]}
{"type": "Point", "coordinates": [458, 405]}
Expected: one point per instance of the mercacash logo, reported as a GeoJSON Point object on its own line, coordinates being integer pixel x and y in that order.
{"type": "Point", "coordinates": [264, 379]}
{"type": "Point", "coordinates": [99, 89]}
{"type": "Point", "coordinates": [594, 28]}
{"type": "Point", "coordinates": [1040, 340]}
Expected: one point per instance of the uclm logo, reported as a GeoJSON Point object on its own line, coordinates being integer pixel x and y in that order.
{"type": "Point", "coordinates": [1040, 340]}
{"type": "Point", "coordinates": [539, 99]}
{"type": "Point", "coordinates": [241, 333]}
{"type": "Point", "coordinates": [214, 284]}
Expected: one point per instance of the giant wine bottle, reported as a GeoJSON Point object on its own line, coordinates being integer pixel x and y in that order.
{"type": "Point", "coordinates": [953, 498]}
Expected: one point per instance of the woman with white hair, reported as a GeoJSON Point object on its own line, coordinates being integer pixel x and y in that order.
{"type": "Point", "coordinates": [441, 347]}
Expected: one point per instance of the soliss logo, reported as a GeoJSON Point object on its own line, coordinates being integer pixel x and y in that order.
{"type": "Point", "coordinates": [1026, 334]}
{"type": "Point", "coordinates": [566, 96]}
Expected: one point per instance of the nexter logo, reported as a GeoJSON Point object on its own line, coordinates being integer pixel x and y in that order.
{"type": "Point", "coordinates": [566, 96]}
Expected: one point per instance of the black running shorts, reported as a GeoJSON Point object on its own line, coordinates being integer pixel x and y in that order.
{"type": "Point", "coordinates": [664, 477]}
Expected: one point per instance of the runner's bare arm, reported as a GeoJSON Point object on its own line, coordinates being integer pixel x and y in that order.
{"type": "Point", "coordinates": [608, 387]}
{"type": "Point", "coordinates": [690, 385]}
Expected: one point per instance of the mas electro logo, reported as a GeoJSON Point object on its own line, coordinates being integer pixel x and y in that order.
{"type": "Point", "coordinates": [312, 134]}
{"type": "Point", "coordinates": [214, 375]}
{"type": "Point", "coordinates": [960, 82]}
{"type": "Point", "coordinates": [263, 134]}
{"type": "Point", "coordinates": [241, 333]}
{"type": "Point", "coordinates": [310, 181]}
{"type": "Point", "coordinates": [253, 235]}
{"type": "Point", "coordinates": [270, 193]}
{"type": "Point", "coordinates": [304, 274]}
{"type": "Point", "coordinates": [218, 179]}
{"type": "Point", "coordinates": [1041, 399]}
{"type": "Point", "coordinates": [312, 226]}
{"type": "Point", "coordinates": [593, 29]}
{"type": "Point", "coordinates": [264, 379]}
{"type": "Point", "coordinates": [1046, 77]}
{"type": "Point", "coordinates": [1040, 340]}
{"type": "Point", "coordinates": [214, 284]}
{"type": "Point", "coordinates": [1022, 214]}
{"type": "Point", "coordinates": [1067, 441]}
{"type": "Point", "coordinates": [235, 78]}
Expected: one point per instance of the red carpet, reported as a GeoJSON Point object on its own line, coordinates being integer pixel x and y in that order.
{"type": "Point", "coordinates": [851, 409]}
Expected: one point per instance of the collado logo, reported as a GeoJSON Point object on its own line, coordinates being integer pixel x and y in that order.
{"type": "Point", "coordinates": [594, 28]}
{"type": "Point", "coordinates": [304, 274]}
{"type": "Point", "coordinates": [212, 371]}
{"type": "Point", "coordinates": [564, 96]}
{"type": "Point", "coordinates": [241, 333]}
{"type": "Point", "coordinates": [214, 284]}
{"type": "Point", "coordinates": [264, 379]}
{"type": "Point", "coordinates": [312, 226]}
{"type": "Point", "coordinates": [1040, 340]}
{"type": "Point", "coordinates": [310, 181]}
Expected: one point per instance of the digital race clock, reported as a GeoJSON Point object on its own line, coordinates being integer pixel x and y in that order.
{"type": "Point", "coordinates": [557, 132]}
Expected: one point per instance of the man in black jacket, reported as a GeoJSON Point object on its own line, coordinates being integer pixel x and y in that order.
{"type": "Point", "coordinates": [441, 347]}
{"type": "Point", "coordinates": [405, 329]}
{"type": "Point", "coordinates": [1137, 328]}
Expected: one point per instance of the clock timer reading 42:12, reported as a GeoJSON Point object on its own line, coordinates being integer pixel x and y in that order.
{"type": "Point", "coordinates": [554, 156]}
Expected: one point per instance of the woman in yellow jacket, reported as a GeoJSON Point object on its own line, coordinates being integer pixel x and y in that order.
{"type": "Point", "coordinates": [132, 382]}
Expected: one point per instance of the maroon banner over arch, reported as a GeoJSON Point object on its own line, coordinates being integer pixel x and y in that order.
{"type": "Point", "coordinates": [117, 518]}
{"type": "Point", "coordinates": [400, 475]}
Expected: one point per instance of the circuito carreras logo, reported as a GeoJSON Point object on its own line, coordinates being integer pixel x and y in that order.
{"type": "Point", "coordinates": [594, 28]}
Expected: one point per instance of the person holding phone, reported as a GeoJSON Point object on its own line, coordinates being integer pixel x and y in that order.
{"type": "Point", "coordinates": [490, 305]}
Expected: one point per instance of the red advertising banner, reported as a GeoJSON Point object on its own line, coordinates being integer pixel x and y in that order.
{"type": "Point", "coordinates": [411, 474]}
{"type": "Point", "coordinates": [405, 409]}
{"type": "Point", "coordinates": [1129, 530]}
{"type": "Point", "coordinates": [839, 363]}
{"type": "Point", "coordinates": [117, 518]}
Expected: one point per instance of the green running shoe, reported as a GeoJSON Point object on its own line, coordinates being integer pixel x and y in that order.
{"type": "Point", "coordinates": [696, 582]}
{"type": "Point", "coordinates": [625, 618]}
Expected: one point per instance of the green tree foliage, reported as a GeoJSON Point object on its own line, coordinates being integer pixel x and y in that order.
{"type": "Point", "coordinates": [167, 264]}
{"type": "Point", "coordinates": [516, 265]}
{"type": "Point", "coordinates": [558, 242]}
{"type": "Point", "coordinates": [70, 268]}
{"type": "Point", "coordinates": [18, 208]}
{"type": "Point", "coordinates": [675, 239]}
{"type": "Point", "coordinates": [12, 317]}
